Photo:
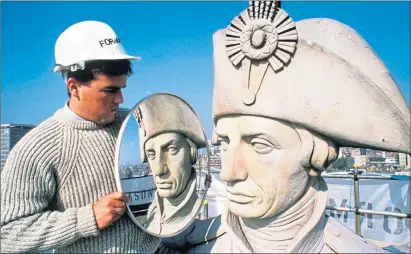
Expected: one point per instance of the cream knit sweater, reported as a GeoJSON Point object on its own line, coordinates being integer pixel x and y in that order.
{"type": "Point", "coordinates": [51, 179]}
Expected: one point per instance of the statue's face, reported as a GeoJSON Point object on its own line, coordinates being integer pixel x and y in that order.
{"type": "Point", "coordinates": [169, 157]}
{"type": "Point", "coordinates": [261, 165]}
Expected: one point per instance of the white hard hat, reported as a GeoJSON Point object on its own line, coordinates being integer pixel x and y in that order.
{"type": "Point", "coordinates": [87, 40]}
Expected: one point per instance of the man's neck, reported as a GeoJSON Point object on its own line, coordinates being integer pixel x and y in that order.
{"type": "Point", "coordinates": [72, 104]}
{"type": "Point", "coordinates": [70, 113]}
{"type": "Point", "coordinates": [277, 233]}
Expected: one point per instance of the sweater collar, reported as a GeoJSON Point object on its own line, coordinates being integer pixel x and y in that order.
{"type": "Point", "coordinates": [66, 118]}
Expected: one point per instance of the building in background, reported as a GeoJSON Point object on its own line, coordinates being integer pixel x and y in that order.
{"type": "Point", "coordinates": [359, 156]}
{"type": "Point", "coordinates": [10, 135]}
{"type": "Point", "coordinates": [360, 160]}
{"type": "Point", "coordinates": [358, 152]}
{"type": "Point", "coordinates": [344, 152]}
{"type": "Point", "coordinates": [215, 162]}
{"type": "Point", "coordinates": [404, 160]}
{"type": "Point", "coordinates": [215, 156]}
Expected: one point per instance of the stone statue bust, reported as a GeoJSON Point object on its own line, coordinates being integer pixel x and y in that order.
{"type": "Point", "coordinates": [285, 94]}
{"type": "Point", "coordinates": [170, 134]}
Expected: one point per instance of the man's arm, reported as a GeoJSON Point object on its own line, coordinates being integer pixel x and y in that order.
{"type": "Point", "coordinates": [27, 187]}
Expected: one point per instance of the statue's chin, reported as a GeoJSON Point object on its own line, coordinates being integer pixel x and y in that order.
{"type": "Point", "coordinates": [255, 210]}
{"type": "Point", "coordinates": [166, 193]}
{"type": "Point", "coordinates": [249, 211]}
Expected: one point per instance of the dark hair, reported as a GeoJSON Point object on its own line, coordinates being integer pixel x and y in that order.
{"type": "Point", "coordinates": [93, 68]}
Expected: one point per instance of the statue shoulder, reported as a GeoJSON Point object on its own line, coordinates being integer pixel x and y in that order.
{"type": "Point", "coordinates": [206, 230]}
{"type": "Point", "coordinates": [197, 236]}
{"type": "Point", "coordinates": [341, 239]}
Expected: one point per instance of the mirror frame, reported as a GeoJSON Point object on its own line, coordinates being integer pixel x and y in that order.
{"type": "Point", "coordinates": [117, 163]}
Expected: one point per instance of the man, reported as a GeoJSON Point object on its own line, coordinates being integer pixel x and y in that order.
{"type": "Point", "coordinates": [170, 134]}
{"type": "Point", "coordinates": [286, 97]}
{"type": "Point", "coordinates": [58, 190]}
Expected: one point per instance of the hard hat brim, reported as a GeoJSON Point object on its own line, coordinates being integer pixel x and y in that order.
{"type": "Point", "coordinates": [60, 67]}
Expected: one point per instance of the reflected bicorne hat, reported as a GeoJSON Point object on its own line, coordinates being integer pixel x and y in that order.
{"type": "Point", "coordinates": [162, 113]}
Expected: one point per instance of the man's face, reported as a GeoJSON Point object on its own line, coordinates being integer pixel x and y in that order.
{"type": "Point", "coordinates": [261, 165]}
{"type": "Point", "coordinates": [99, 99]}
{"type": "Point", "coordinates": [169, 157]}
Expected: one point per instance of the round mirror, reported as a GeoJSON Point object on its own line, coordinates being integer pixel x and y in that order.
{"type": "Point", "coordinates": [162, 164]}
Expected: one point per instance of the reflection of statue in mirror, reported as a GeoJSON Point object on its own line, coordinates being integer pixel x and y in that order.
{"type": "Point", "coordinates": [282, 107]}
{"type": "Point", "coordinates": [170, 134]}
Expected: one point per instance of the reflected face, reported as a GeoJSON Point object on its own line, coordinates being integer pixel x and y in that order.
{"type": "Point", "coordinates": [260, 165]}
{"type": "Point", "coordinates": [169, 157]}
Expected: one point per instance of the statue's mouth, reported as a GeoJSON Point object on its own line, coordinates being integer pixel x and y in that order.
{"type": "Point", "coordinates": [239, 198]}
{"type": "Point", "coordinates": [164, 185]}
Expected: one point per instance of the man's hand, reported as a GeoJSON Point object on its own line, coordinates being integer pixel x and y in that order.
{"type": "Point", "coordinates": [109, 208]}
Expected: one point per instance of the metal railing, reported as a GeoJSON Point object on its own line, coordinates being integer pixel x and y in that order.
{"type": "Point", "coordinates": [357, 208]}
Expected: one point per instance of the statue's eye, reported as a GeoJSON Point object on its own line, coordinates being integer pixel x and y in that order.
{"type": "Point", "coordinates": [151, 155]}
{"type": "Point", "coordinates": [172, 149]}
{"type": "Point", "coordinates": [224, 142]}
{"type": "Point", "coordinates": [261, 145]}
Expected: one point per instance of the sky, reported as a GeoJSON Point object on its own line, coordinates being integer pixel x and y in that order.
{"type": "Point", "coordinates": [174, 40]}
{"type": "Point", "coordinates": [129, 150]}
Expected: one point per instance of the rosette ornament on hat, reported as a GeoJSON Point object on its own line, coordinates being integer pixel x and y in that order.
{"type": "Point", "coordinates": [265, 34]}
{"type": "Point", "coordinates": [327, 79]}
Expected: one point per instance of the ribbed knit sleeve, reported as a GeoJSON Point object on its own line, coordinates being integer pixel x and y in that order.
{"type": "Point", "coordinates": [28, 186]}
{"type": "Point", "coordinates": [49, 183]}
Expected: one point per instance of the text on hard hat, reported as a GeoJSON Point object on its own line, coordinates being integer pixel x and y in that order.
{"type": "Point", "coordinates": [109, 41]}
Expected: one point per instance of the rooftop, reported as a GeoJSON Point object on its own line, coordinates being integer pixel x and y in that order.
{"type": "Point", "coordinates": [13, 125]}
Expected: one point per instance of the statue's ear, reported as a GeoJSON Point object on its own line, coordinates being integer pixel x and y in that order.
{"type": "Point", "coordinates": [193, 151]}
{"type": "Point", "coordinates": [320, 153]}
{"type": "Point", "coordinates": [307, 146]}
{"type": "Point", "coordinates": [333, 152]}
{"type": "Point", "coordinates": [315, 151]}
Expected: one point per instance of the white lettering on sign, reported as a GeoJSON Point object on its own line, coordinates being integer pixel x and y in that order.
{"type": "Point", "coordinates": [140, 190]}
{"type": "Point", "coordinates": [379, 195]}
{"type": "Point", "coordinates": [141, 197]}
